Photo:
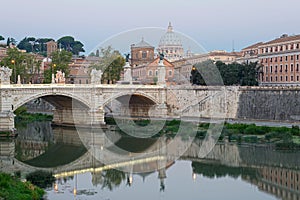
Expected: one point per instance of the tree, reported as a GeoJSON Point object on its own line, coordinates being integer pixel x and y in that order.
{"type": "Point", "coordinates": [231, 74]}
{"type": "Point", "coordinates": [69, 44]}
{"type": "Point", "coordinates": [111, 63]}
{"type": "Point", "coordinates": [206, 73]}
{"type": "Point", "coordinates": [1, 38]}
{"type": "Point", "coordinates": [31, 44]}
{"type": "Point", "coordinates": [14, 59]}
{"type": "Point", "coordinates": [8, 42]}
{"type": "Point", "coordinates": [60, 61]}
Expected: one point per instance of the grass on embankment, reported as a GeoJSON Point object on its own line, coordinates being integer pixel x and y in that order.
{"type": "Point", "coordinates": [282, 137]}
{"type": "Point", "coordinates": [22, 116]}
{"type": "Point", "coordinates": [13, 189]}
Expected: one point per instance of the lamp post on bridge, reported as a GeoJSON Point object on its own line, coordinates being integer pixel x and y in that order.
{"type": "Point", "coordinates": [15, 73]}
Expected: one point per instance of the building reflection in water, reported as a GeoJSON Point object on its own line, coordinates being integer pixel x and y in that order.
{"type": "Point", "coordinates": [276, 173]}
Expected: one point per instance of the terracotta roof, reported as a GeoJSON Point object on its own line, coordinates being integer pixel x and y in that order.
{"type": "Point", "coordinates": [223, 53]}
{"type": "Point", "coordinates": [283, 39]}
{"type": "Point", "coordinates": [253, 46]}
{"type": "Point", "coordinates": [155, 62]}
{"type": "Point", "coordinates": [78, 72]}
{"type": "Point", "coordinates": [142, 44]}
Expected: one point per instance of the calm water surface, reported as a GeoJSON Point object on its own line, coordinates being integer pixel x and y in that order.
{"type": "Point", "coordinates": [228, 172]}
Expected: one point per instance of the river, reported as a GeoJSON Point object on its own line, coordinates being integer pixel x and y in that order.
{"type": "Point", "coordinates": [113, 166]}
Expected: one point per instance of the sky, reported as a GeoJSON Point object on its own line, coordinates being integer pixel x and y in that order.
{"type": "Point", "coordinates": [214, 24]}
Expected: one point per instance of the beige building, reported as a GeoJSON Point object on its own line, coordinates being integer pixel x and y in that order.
{"type": "Point", "coordinates": [2, 52]}
{"type": "Point", "coordinates": [249, 54]}
{"type": "Point", "coordinates": [141, 53]}
{"type": "Point", "coordinates": [148, 73]}
{"type": "Point", "coordinates": [280, 61]}
{"type": "Point", "coordinates": [51, 47]}
{"type": "Point", "coordinates": [184, 66]}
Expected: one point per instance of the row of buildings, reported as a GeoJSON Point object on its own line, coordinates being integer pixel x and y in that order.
{"type": "Point", "coordinates": [277, 60]}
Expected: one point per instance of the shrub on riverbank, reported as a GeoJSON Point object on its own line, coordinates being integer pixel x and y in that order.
{"type": "Point", "coordinates": [13, 189]}
{"type": "Point", "coordinates": [23, 117]}
{"type": "Point", "coordinates": [40, 178]}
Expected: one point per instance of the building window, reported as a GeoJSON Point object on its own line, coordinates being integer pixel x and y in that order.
{"type": "Point", "coordinates": [286, 67]}
{"type": "Point", "coordinates": [80, 81]}
{"type": "Point", "coordinates": [267, 79]}
{"type": "Point", "coordinates": [271, 59]}
{"type": "Point", "coordinates": [170, 73]}
{"type": "Point", "coordinates": [144, 54]}
{"type": "Point", "coordinates": [286, 78]}
{"type": "Point", "coordinates": [156, 72]}
{"type": "Point", "coordinates": [271, 69]}
{"type": "Point", "coordinates": [292, 78]}
{"type": "Point", "coordinates": [297, 46]}
{"type": "Point", "coordinates": [266, 60]}
{"type": "Point", "coordinates": [266, 69]}
{"type": "Point", "coordinates": [276, 79]}
{"type": "Point", "coordinates": [297, 67]}
{"type": "Point", "coordinates": [276, 59]}
{"type": "Point", "coordinates": [292, 67]}
{"type": "Point", "coordinates": [276, 69]}
{"type": "Point", "coordinates": [150, 72]}
{"type": "Point", "coordinates": [297, 57]}
{"type": "Point", "coordinates": [280, 78]}
{"type": "Point", "coordinates": [86, 81]}
{"type": "Point", "coordinates": [297, 78]}
{"type": "Point", "coordinates": [271, 79]}
{"type": "Point", "coordinates": [292, 57]}
{"type": "Point", "coordinates": [280, 68]}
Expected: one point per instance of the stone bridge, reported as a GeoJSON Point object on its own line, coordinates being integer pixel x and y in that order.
{"type": "Point", "coordinates": [88, 104]}
{"type": "Point", "coordinates": [81, 104]}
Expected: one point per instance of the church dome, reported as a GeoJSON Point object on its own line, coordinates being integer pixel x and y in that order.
{"type": "Point", "coordinates": [170, 45]}
{"type": "Point", "coordinates": [170, 38]}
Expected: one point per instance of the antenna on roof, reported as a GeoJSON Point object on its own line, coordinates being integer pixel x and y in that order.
{"type": "Point", "coordinates": [233, 46]}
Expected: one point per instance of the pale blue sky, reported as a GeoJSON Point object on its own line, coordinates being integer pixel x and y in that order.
{"type": "Point", "coordinates": [212, 23]}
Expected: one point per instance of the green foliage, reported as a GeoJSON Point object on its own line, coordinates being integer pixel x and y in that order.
{"type": "Point", "coordinates": [23, 64]}
{"type": "Point", "coordinates": [42, 179]}
{"type": "Point", "coordinates": [112, 178]}
{"type": "Point", "coordinates": [24, 117]}
{"type": "Point", "coordinates": [13, 189]}
{"type": "Point", "coordinates": [208, 73]}
{"type": "Point", "coordinates": [69, 44]}
{"type": "Point", "coordinates": [111, 64]}
{"type": "Point", "coordinates": [21, 111]}
{"type": "Point", "coordinates": [287, 145]}
{"type": "Point", "coordinates": [31, 44]}
{"type": "Point", "coordinates": [216, 170]}
{"type": "Point", "coordinates": [60, 61]}
{"type": "Point", "coordinates": [1, 38]}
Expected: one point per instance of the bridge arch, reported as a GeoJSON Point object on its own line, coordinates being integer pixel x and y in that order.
{"type": "Point", "coordinates": [21, 101]}
{"type": "Point", "coordinates": [135, 104]}
{"type": "Point", "coordinates": [136, 93]}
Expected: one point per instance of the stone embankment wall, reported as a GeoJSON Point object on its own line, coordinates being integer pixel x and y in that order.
{"type": "Point", "coordinates": [269, 103]}
{"type": "Point", "coordinates": [234, 102]}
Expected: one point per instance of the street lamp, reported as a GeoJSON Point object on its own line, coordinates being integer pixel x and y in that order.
{"type": "Point", "coordinates": [15, 74]}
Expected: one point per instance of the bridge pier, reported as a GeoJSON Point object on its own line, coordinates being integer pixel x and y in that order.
{"type": "Point", "coordinates": [97, 116]}
{"type": "Point", "coordinates": [7, 122]}
{"type": "Point", "coordinates": [71, 117]}
{"type": "Point", "coordinates": [6, 113]}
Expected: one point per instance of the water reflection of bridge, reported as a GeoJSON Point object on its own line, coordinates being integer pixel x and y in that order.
{"type": "Point", "coordinates": [274, 172]}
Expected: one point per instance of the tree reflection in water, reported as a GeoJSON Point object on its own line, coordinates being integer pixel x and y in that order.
{"type": "Point", "coordinates": [109, 179]}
